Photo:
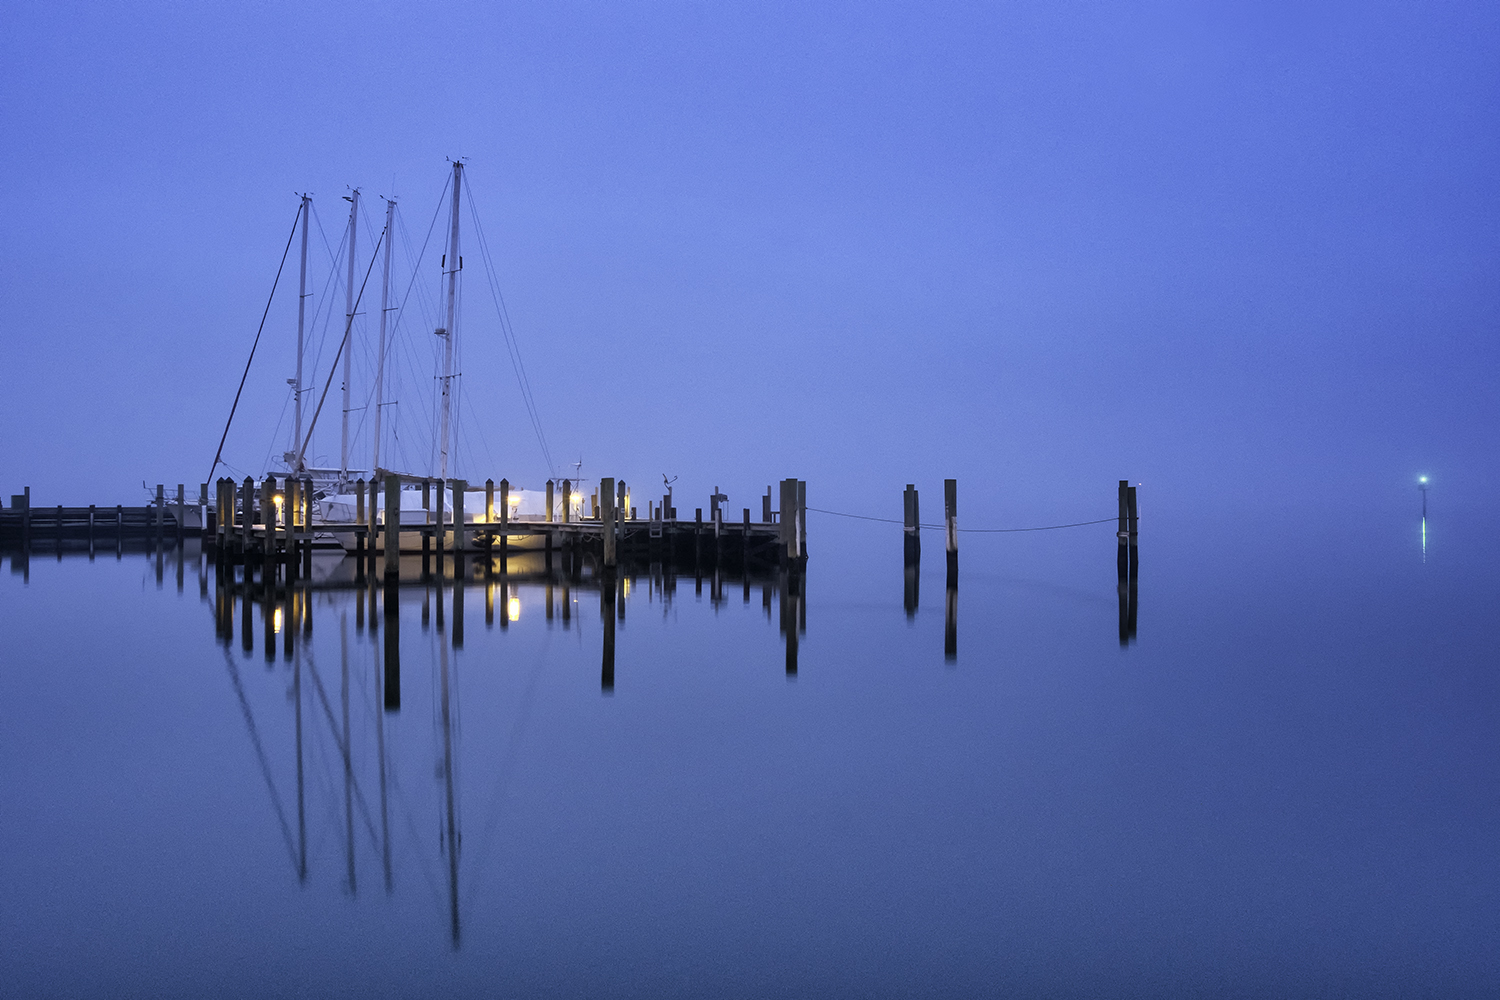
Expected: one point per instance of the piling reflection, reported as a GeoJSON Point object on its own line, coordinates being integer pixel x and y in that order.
{"type": "Point", "coordinates": [336, 755]}
{"type": "Point", "coordinates": [346, 733]}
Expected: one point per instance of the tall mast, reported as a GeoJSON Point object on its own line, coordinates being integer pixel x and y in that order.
{"type": "Point", "coordinates": [453, 263]}
{"type": "Point", "coordinates": [301, 322]}
{"type": "Point", "coordinates": [348, 335]}
{"type": "Point", "coordinates": [385, 295]}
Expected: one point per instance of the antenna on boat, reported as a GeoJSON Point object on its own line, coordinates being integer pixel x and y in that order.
{"type": "Point", "coordinates": [353, 200]}
{"type": "Point", "coordinates": [452, 263]}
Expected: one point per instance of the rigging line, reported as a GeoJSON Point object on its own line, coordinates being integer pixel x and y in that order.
{"type": "Point", "coordinates": [942, 527]}
{"type": "Point", "coordinates": [266, 462]}
{"type": "Point", "coordinates": [343, 748]}
{"type": "Point", "coordinates": [344, 340]}
{"type": "Point", "coordinates": [220, 453]}
{"type": "Point", "coordinates": [483, 439]}
{"type": "Point", "coordinates": [509, 334]}
{"type": "Point", "coordinates": [260, 755]}
{"type": "Point", "coordinates": [333, 259]}
{"type": "Point", "coordinates": [325, 298]}
{"type": "Point", "coordinates": [416, 271]}
{"type": "Point", "coordinates": [508, 331]}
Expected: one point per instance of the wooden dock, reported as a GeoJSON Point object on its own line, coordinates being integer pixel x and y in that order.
{"type": "Point", "coordinates": [273, 522]}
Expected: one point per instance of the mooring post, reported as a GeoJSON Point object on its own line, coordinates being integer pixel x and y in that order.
{"type": "Point", "coordinates": [372, 527]}
{"type": "Point", "coordinates": [161, 512]}
{"type": "Point", "coordinates": [567, 501]}
{"type": "Point", "coordinates": [202, 509]}
{"type": "Point", "coordinates": [181, 507]}
{"type": "Point", "coordinates": [788, 524]}
{"type": "Point", "coordinates": [246, 516]}
{"type": "Point", "coordinates": [91, 531]}
{"type": "Point", "coordinates": [911, 532]}
{"type": "Point", "coordinates": [1122, 534]}
{"type": "Point", "coordinates": [550, 500]}
{"type": "Point", "coordinates": [950, 522]}
{"type": "Point", "coordinates": [697, 535]}
{"type": "Point", "coordinates": [392, 541]}
{"type": "Point", "coordinates": [765, 507]}
{"type": "Point", "coordinates": [1135, 560]}
{"type": "Point", "coordinates": [442, 539]}
{"type": "Point", "coordinates": [745, 544]}
{"type": "Point", "coordinates": [359, 525]}
{"type": "Point", "coordinates": [426, 528]}
{"type": "Point", "coordinates": [268, 524]}
{"type": "Point", "coordinates": [26, 519]}
{"type": "Point", "coordinates": [460, 542]}
{"type": "Point", "coordinates": [607, 525]}
{"type": "Point", "coordinates": [911, 550]}
{"type": "Point", "coordinates": [293, 507]}
{"type": "Point", "coordinates": [504, 524]}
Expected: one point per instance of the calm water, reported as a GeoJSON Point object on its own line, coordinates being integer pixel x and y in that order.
{"type": "Point", "coordinates": [1288, 784]}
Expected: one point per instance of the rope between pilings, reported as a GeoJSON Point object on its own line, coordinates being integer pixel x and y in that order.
{"type": "Point", "coordinates": [987, 531]}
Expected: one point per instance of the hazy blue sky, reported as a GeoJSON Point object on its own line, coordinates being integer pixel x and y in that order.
{"type": "Point", "coordinates": [1242, 251]}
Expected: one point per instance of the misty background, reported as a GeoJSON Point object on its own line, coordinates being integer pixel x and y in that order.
{"type": "Point", "coordinates": [1245, 255]}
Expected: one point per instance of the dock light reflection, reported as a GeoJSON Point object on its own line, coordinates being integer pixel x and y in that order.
{"type": "Point", "coordinates": [1422, 485]}
{"type": "Point", "coordinates": [370, 760]}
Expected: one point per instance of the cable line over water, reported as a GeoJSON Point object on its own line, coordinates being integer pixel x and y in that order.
{"type": "Point", "coordinates": [940, 527]}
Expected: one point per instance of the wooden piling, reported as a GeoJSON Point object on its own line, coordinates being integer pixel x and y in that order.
{"type": "Point", "coordinates": [1122, 534]}
{"type": "Point", "coordinates": [372, 523]}
{"type": "Point", "coordinates": [293, 513]}
{"type": "Point", "coordinates": [549, 506]}
{"type": "Point", "coordinates": [161, 512]}
{"type": "Point", "coordinates": [504, 524]}
{"type": "Point", "coordinates": [950, 524]}
{"type": "Point", "coordinates": [607, 518]}
{"type": "Point", "coordinates": [460, 527]}
{"type": "Point", "coordinates": [911, 529]}
{"type": "Point", "coordinates": [567, 501]}
{"type": "Point", "coordinates": [181, 507]}
{"type": "Point", "coordinates": [392, 542]}
{"type": "Point", "coordinates": [247, 516]}
{"type": "Point", "coordinates": [442, 541]}
{"type": "Point", "coordinates": [1132, 527]}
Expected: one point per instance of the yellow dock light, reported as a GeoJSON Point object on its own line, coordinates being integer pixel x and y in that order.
{"type": "Point", "coordinates": [513, 609]}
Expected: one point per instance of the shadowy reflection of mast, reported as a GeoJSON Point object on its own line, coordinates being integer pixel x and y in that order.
{"type": "Point", "coordinates": [265, 771]}
{"type": "Point", "coordinates": [301, 791]}
{"type": "Point", "coordinates": [452, 830]}
{"type": "Point", "coordinates": [348, 758]}
{"type": "Point", "coordinates": [385, 827]}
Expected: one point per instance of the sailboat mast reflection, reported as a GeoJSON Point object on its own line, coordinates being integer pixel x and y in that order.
{"type": "Point", "coordinates": [368, 717]}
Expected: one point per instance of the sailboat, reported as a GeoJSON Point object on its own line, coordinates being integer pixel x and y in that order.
{"type": "Point", "coordinates": [335, 499]}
